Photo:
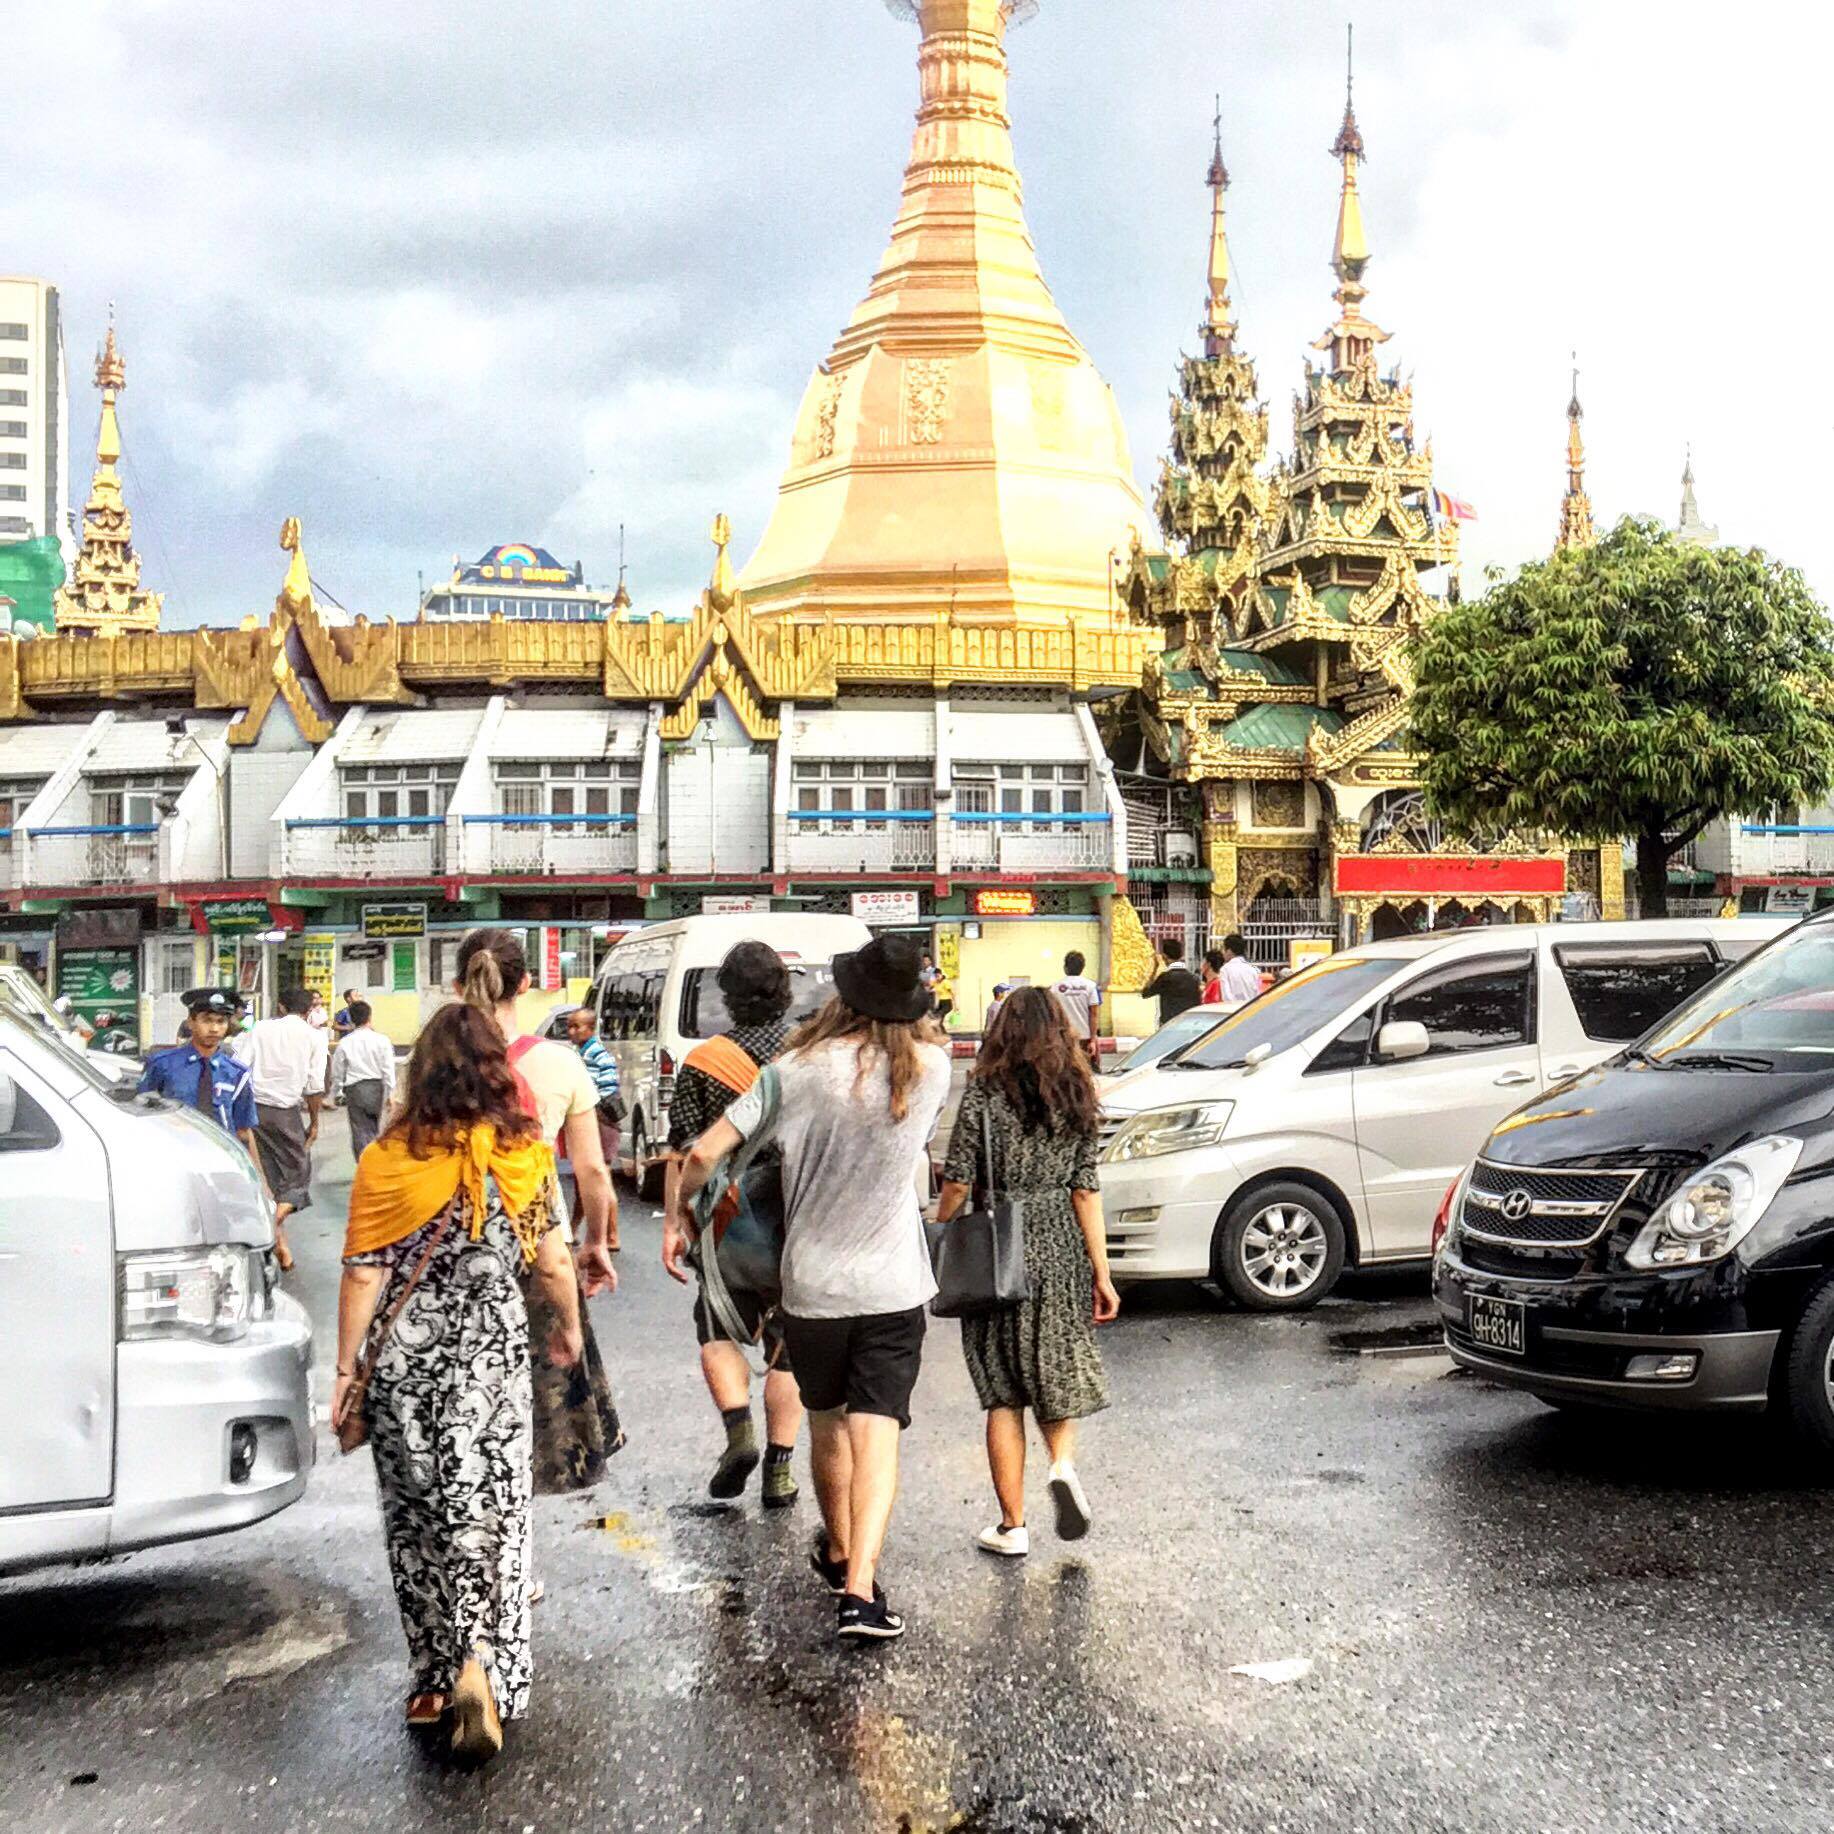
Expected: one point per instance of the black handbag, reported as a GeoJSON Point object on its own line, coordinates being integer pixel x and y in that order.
{"type": "Point", "coordinates": [979, 1257]}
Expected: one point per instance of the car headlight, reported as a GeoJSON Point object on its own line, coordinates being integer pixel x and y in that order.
{"type": "Point", "coordinates": [1716, 1208]}
{"type": "Point", "coordinates": [208, 1293]}
{"type": "Point", "coordinates": [1169, 1130]}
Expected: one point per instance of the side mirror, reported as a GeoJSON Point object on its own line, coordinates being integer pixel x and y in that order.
{"type": "Point", "coordinates": [1401, 1038]}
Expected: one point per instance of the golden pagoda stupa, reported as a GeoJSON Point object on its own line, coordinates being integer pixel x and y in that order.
{"type": "Point", "coordinates": [1575, 507]}
{"type": "Point", "coordinates": [957, 450]}
{"type": "Point", "coordinates": [104, 595]}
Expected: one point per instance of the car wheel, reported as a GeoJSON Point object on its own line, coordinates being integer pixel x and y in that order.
{"type": "Point", "coordinates": [1280, 1248]}
{"type": "Point", "coordinates": [645, 1172]}
{"type": "Point", "coordinates": [1808, 1377]}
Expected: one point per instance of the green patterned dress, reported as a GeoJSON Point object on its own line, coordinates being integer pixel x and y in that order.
{"type": "Point", "coordinates": [1041, 1354]}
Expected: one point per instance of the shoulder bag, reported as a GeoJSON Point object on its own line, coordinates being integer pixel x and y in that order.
{"type": "Point", "coordinates": [739, 1224]}
{"type": "Point", "coordinates": [352, 1423]}
{"type": "Point", "coordinates": [979, 1257]}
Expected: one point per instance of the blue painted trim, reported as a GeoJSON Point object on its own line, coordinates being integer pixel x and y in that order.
{"type": "Point", "coordinates": [550, 821]}
{"type": "Point", "coordinates": [1086, 817]}
{"type": "Point", "coordinates": [1758, 828]}
{"type": "Point", "coordinates": [904, 815]}
{"type": "Point", "coordinates": [136, 827]}
{"type": "Point", "coordinates": [367, 821]}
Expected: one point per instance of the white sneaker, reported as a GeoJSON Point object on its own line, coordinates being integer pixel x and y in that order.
{"type": "Point", "coordinates": [1012, 1542]}
{"type": "Point", "coordinates": [1072, 1504]}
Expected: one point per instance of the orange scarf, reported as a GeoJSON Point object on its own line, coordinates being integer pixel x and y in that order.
{"type": "Point", "coordinates": [395, 1193]}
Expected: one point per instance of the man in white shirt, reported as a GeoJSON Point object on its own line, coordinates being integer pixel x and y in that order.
{"type": "Point", "coordinates": [289, 1060]}
{"type": "Point", "coordinates": [363, 1073]}
{"type": "Point", "coordinates": [1241, 979]}
{"type": "Point", "coordinates": [1080, 999]}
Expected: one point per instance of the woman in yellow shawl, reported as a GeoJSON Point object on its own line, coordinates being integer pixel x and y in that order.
{"type": "Point", "coordinates": [449, 1205]}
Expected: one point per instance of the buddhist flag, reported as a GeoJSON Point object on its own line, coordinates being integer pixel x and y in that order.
{"type": "Point", "coordinates": [1453, 509]}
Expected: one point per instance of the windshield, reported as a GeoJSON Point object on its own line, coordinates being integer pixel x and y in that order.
{"type": "Point", "coordinates": [703, 1006]}
{"type": "Point", "coordinates": [1773, 1012]}
{"type": "Point", "coordinates": [1173, 1035]}
{"type": "Point", "coordinates": [1290, 1010]}
{"type": "Point", "coordinates": [55, 1035]}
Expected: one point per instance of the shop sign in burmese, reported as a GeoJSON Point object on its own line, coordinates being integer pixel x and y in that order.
{"type": "Point", "coordinates": [1005, 902]}
{"type": "Point", "coordinates": [229, 915]}
{"type": "Point", "coordinates": [386, 920]}
{"type": "Point", "coordinates": [887, 907]}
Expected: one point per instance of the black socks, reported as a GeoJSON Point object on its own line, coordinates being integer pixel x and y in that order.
{"type": "Point", "coordinates": [778, 1455]}
{"type": "Point", "coordinates": [735, 1417]}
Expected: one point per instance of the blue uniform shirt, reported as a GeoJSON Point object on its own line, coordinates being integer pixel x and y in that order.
{"type": "Point", "coordinates": [175, 1074]}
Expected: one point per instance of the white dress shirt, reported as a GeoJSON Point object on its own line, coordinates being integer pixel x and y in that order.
{"type": "Point", "coordinates": [1241, 979]}
{"type": "Point", "coordinates": [365, 1056]}
{"type": "Point", "coordinates": [288, 1058]}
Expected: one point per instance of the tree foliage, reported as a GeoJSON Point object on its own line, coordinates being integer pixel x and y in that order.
{"type": "Point", "coordinates": [1640, 687]}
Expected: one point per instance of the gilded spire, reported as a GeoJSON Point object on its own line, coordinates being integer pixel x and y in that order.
{"type": "Point", "coordinates": [104, 593]}
{"type": "Point", "coordinates": [1353, 338]}
{"type": "Point", "coordinates": [1576, 529]}
{"type": "Point", "coordinates": [621, 598]}
{"type": "Point", "coordinates": [1691, 527]}
{"type": "Point", "coordinates": [1219, 320]}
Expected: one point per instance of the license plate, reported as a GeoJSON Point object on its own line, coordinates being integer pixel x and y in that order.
{"type": "Point", "coordinates": [1497, 1324]}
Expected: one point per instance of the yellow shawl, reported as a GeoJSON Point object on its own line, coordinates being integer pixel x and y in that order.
{"type": "Point", "coordinates": [395, 1193]}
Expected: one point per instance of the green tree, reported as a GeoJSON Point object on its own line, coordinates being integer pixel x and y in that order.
{"type": "Point", "coordinates": [1638, 688]}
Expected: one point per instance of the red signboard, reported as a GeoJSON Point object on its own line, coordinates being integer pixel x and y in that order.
{"type": "Point", "coordinates": [550, 949]}
{"type": "Point", "coordinates": [1438, 875]}
{"type": "Point", "coordinates": [1004, 903]}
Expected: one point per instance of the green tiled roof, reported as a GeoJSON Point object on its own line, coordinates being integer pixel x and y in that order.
{"type": "Point", "coordinates": [1269, 668]}
{"type": "Point", "coordinates": [1279, 728]}
{"type": "Point", "coordinates": [1186, 681]}
{"type": "Point", "coordinates": [1336, 601]}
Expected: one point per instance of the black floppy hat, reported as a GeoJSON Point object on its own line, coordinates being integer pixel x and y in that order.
{"type": "Point", "coordinates": [884, 980]}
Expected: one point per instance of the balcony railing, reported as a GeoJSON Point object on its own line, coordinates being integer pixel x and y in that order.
{"type": "Point", "coordinates": [1765, 849]}
{"type": "Point", "coordinates": [378, 846]}
{"type": "Point", "coordinates": [862, 840]}
{"type": "Point", "coordinates": [555, 845]}
{"type": "Point", "coordinates": [1082, 842]}
{"type": "Point", "coordinates": [114, 853]}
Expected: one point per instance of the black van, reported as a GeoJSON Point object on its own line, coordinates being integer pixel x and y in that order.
{"type": "Point", "coordinates": [1659, 1231]}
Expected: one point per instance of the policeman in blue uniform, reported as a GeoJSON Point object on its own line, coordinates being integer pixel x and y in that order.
{"type": "Point", "coordinates": [202, 1074]}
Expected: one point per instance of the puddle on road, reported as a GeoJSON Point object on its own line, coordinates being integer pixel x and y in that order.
{"type": "Point", "coordinates": [1424, 1338]}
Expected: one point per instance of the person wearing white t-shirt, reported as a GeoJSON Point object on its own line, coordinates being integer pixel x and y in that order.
{"type": "Point", "coordinates": [1080, 999]}
{"type": "Point", "coordinates": [1240, 978]}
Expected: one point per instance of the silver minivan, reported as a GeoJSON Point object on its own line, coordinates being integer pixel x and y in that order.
{"type": "Point", "coordinates": [159, 1387]}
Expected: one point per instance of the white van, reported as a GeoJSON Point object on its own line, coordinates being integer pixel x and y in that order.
{"type": "Point", "coordinates": [656, 999]}
{"type": "Point", "coordinates": [158, 1386]}
{"type": "Point", "coordinates": [1323, 1122]}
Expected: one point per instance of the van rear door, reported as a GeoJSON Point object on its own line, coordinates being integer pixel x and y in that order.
{"type": "Point", "coordinates": [57, 1300]}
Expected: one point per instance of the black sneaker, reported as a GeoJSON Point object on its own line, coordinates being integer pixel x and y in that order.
{"type": "Point", "coordinates": [869, 1618]}
{"type": "Point", "coordinates": [833, 1572]}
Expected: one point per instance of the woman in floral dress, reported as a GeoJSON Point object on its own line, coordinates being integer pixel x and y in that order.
{"type": "Point", "coordinates": [1027, 1128]}
{"type": "Point", "coordinates": [448, 1207]}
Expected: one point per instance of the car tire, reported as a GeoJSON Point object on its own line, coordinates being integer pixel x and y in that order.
{"type": "Point", "coordinates": [646, 1173]}
{"type": "Point", "coordinates": [1279, 1248]}
{"type": "Point", "coordinates": [1808, 1375]}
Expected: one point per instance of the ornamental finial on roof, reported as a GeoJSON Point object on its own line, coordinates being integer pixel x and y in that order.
{"type": "Point", "coordinates": [1218, 178]}
{"type": "Point", "coordinates": [1349, 136]}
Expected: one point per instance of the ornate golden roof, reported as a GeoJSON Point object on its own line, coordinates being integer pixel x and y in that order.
{"type": "Point", "coordinates": [1575, 507]}
{"type": "Point", "coordinates": [104, 592]}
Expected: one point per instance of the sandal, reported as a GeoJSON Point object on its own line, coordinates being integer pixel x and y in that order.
{"type": "Point", "coordinates": [477, 1731]}
{"type": "Point", "coordinates": [425, 1711]}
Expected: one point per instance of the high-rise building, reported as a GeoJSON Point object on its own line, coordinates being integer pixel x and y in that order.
{"type": "Point", "coordinates": [34, 415]}
{"type": "Point", "coordinates": [517, 580]}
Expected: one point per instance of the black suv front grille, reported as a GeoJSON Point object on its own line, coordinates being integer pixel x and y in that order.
{"type": "Point", "coordinates": [1544, 1207]}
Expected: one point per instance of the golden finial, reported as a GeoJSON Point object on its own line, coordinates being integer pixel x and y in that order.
{"type": "Point", "coordinates": [1352, 248]}
{"type": "Point", "coordinates": [296, 589]}
{"type": "Point", "coordinates": [111, 367]}
{"type": "Point", "coordinates": [1576, 529]}
{"type": "Point", "coordinates": [720, 589]}
{"type": "Point", "coordinates": [1219, 322]}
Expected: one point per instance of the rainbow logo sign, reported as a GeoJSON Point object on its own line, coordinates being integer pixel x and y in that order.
{"type": "Point", "coordinates": [516, 555]}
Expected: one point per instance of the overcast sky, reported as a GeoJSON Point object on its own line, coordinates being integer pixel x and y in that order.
{"type": "Point", "coordinates": [433, 278]}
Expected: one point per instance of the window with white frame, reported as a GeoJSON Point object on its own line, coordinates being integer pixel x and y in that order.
{"type": "Point", "coordinates": [134, 801]}
{"type": "Point", "coordinates": [1023, 789]}
{"type": "Point", "coordinates": [589, 786]}
{"type": "Point", "coordinates": [393, 792]}
{"type": "Point", "coordinates": [845, 785]}
{"type": "Point", "coordinates": [15, 798]}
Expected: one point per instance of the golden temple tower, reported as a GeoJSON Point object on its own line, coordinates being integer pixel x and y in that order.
{"type": "Point", "coordinates": [104, 595]}
{"type": "Point", "coordinates": [957, 448]}
{"type": "Point", "coordinates": [1576, 529]}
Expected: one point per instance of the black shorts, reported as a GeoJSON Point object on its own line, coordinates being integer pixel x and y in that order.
{"type": "Point", "coordinates": [867, 1365]}
{"type": "Point", "coordinates": [708, 1330]}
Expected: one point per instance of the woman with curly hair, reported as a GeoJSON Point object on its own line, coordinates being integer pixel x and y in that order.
{"type": "Point", "coordinates": [1030, 1108]}
{"type": "Point", "coordinates": [449, 1206]}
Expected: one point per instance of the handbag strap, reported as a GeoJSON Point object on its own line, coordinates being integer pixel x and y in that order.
{"type": "Point", "coordinates": [378, 1335]}
{"type": "Point", "coordinates": [993, 1183]}
{"type": "Point", "coordinates": [714, 1289]}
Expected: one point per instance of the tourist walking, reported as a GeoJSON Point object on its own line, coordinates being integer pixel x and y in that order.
{"type": "Point", "coordinates": [1174, 986]}
{"type": "Point", "coordinates": [200, 1073]}
{"type": "Point", "coordinates": [754, 984]}
{"type": "Point", "coordinates": [860, 1088]}
{"type": "Point", "coordinates": [363, 1074]}
{"type": "Point", "coordinates": [449, 1207]}
{"type": "Point", "coordinates": [1026, 1129]}
{"type": "Point", "coordinates": [290, 1063]}
{"type": "Point", "coordinates": [1080, 999]}
{"type": "Point", "coordinates": [576, 1419]}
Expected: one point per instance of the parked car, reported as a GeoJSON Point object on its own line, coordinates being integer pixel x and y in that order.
{"type": "Point", "coordinates": [1658, 1232]}
{"type": "Point", "coordinates": [656, 998]}
{"type": "Point", "coordinates": [1320, 1125]}
{"type": "Point", "coordinates": [158, 1384]}
{"type": "Point", "coordinates": [1175, 1035]}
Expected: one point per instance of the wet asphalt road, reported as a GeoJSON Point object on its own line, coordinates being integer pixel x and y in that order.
{"type": "Point", "coordinates": [1514, 1621]}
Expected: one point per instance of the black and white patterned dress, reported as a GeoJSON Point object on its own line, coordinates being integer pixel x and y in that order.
{"type": "Point", "coordinates": [1041, 1354]}
{"type": "Point", "coordinates": [451, 1426]}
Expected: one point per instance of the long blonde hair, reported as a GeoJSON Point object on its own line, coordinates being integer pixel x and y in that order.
{"type": "Point", "coordinates": [876, 1038]}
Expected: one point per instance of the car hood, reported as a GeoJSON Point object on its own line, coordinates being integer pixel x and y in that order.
{"type": "Point", "coordinates": [1156, 1086]}
{"type": "Point", "coordinates": [1621, 1113]}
